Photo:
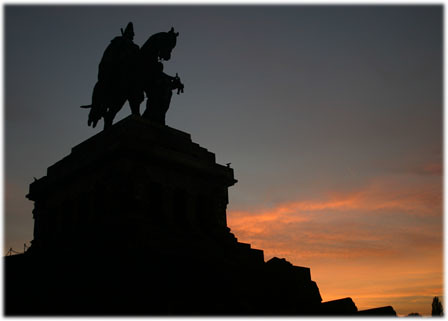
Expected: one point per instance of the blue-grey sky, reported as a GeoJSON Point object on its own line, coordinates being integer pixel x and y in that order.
{"type": "Point", "coordinates": [310, 104]}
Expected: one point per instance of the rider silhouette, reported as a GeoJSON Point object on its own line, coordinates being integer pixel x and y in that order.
{"type": "Point", "coordinates": [119, 68]}
{"type": "Point", "coordinates": [119, 79]}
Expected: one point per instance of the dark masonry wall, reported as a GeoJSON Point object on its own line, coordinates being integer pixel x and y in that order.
{"type": "Point", "coordinates": [133, 222]}
{"type": "Point", "coordinates": [126, 181]}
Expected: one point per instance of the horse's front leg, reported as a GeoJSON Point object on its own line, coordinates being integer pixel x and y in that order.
{"type": "Point", "coordinates": [135, 107]}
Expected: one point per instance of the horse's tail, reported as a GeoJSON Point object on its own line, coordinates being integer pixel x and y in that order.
{"type": "Point", "coordinates": [95, 114]}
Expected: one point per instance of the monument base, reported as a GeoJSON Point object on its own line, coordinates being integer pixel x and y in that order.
{"type": "Point", "coordinates": [133, 222]}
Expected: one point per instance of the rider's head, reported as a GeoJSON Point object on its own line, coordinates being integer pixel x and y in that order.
{"type": "Point", "coordinates": [129, 31]}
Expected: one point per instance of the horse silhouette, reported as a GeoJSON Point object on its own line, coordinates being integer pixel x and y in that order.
{"type": "Point", "coordinates": [126, 72]}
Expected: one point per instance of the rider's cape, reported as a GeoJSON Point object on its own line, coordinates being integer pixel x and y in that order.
{"type": "Point", "coordinates": [119, 78]}
{"type": "Point", "coordinates": [119, 65]}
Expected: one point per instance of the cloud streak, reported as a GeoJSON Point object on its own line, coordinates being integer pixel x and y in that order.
{"type": "Point", "coordinates": [390, 229]}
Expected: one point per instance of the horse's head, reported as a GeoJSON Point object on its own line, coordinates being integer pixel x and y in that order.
{"type": "Point", "coordinates": [167, 44]}
{"type": "Point", "coordinates": [161, 44]}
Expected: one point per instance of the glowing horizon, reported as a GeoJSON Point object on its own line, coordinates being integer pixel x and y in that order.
{"type": "Point", "coordinates": [332, 122]}
{"type": "Point", "coordinates": [350, 253]}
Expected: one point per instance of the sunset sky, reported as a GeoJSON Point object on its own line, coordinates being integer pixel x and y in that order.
{"type": "Point", "coordinates": [331, 117]}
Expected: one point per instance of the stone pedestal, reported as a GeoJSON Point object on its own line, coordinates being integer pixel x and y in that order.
{"type": "Point", "coordinates": [137, 186]}
{"type": "Point", "coordinates": [133, 222]}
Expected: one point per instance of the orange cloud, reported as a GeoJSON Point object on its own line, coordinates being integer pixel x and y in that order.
{"type": "Point", "coordinates": [384, 194]}
{"type": "Point", "coordinates": [344, 222]}
{"type": "Point", "coordinates": [433, 169]}
{"type": "Point", "coordinates": [379, 244]}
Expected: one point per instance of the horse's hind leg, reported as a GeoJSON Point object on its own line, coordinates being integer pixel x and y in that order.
{"type": "Point", "coordinates": [108, 119]}
{"type": "Point", "coordinates": [135, 99]}
{"type": "Point", "coordinates": [109, 116]}
{"type": "Point", "coordinates": [112, 112]}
